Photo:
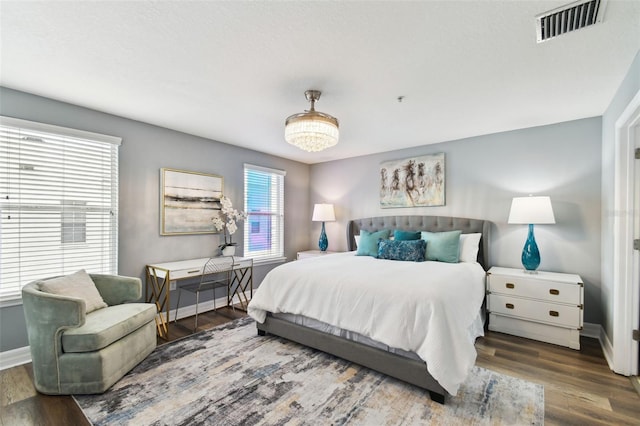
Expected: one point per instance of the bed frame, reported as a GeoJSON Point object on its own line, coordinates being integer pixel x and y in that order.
{"type": "Point", "coordinates": [406, 369]}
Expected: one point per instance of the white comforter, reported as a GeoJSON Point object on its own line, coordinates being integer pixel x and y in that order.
{"type": "Point", "coordinates": [423, 307]}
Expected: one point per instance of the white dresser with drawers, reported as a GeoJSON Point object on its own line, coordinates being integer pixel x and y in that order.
{"type": "Point", "coordinates": [545, 306]}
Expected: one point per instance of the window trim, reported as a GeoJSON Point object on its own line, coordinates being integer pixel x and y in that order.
{"type": "Point", "coordinates": [59, 130]}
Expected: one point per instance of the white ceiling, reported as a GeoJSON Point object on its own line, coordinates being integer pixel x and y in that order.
{"type": "Point", "coordinates": [232, 71]}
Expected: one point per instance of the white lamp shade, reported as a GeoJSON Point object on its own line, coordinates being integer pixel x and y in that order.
{"type": "Point", "coordinates": [531, 210]}
{"type": "Point", "coordinates": [323, 213]}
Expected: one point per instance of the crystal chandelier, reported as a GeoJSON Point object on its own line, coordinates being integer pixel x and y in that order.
{"type": "Point", "coordinates": [311, 130]}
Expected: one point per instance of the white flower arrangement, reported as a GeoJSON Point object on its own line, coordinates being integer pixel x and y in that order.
{"type": "Point", "coordinates": [227, 219]}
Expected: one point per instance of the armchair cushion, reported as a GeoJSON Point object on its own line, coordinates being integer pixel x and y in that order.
{"type": "Point", "coordinates": [77, 285]}
{"type": "Point", "coordinates": [106, 326]}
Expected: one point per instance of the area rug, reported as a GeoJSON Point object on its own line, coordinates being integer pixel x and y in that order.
{"type": "Point", "coordinates": [230, 376]}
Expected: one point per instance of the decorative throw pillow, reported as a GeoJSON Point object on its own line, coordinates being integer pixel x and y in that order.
{"type": "Point", "coordinates": [442, 246]}
{"type": "Point", "coordinates": [369, 242]}
{"type": "Point", "coordinates": [357, 238]}
{"type": "Point", "coordinates": [469, 244]}
{"type": "Point", "coordinates": [399, 235]}
{"type": "Point", "coordinates": [407, 250]}
{"type": "Point", "coordinates": [78, 285]}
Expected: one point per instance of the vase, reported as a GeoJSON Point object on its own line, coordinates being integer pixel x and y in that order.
{"type": "Point", "coordinates": [323, 242]}
{"type": "Point", "coordinates": [229, 251]}
{"type": "Point", "coordinates": [530, 252]}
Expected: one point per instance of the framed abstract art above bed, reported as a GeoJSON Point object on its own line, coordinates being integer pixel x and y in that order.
{"type": "Point", "coordinates": [413, 182]}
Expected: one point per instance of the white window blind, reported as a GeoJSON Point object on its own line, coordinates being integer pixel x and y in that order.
{"type": "Point", "coordinates": [59, 203]}
{"type": "Point", "coordinates": [264, 204]}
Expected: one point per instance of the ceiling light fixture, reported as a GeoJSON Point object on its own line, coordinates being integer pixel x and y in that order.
{"type": "Point", "coordinates": [312, 130]}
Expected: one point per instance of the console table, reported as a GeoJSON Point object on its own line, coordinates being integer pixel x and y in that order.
{"type": "Point", "coordinates": [160, 276]}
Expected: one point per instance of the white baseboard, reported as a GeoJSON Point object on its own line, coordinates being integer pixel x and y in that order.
{"type": "Point", "coordinates": [15, 357]}
{"type": "Point", "coordinates": [591, 330]}
{"type": "Point", "coordinates": [20, 356]}
{"type": "Point", "coordinates": [635, 381]}
{"type": "Point", "coordinates": [596, 331]}
{"type": "Point", "coordinates": [607, 347]}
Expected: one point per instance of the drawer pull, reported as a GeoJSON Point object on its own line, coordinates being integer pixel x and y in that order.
{"type": "Point", "coordinates": [195, 271]}
{"type": "Point", "coordinates": [554, 313]}
{"type": "Point", "coordinates": [509, 305]}
{"type": "Point", "coordinates": [510, 285]}
{"type": "Point", "coordinates": [554, 292]}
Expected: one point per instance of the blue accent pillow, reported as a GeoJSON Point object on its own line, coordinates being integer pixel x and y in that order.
{"type": "Point", "coordinates": [443, 246]}
{"type": "Point", "coordinates": [368, 245]}
{"type": "Point", "coordinates": [407, 250]}
{"type": "Point", "coordinates": [399, 235]}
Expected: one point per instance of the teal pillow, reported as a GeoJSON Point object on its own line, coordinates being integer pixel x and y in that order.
{"type": "Point", "coordinates": [399, 235]}
{"type": "Point", "coordinates": [369, 242]}
{"type": "Point", "coordinates": [443, 246]}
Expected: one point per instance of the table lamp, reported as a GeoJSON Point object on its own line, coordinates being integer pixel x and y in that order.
{"type": "Point", "coordinates": [323, 213]}
{"type": "Point", "coordinates": [531, 211]}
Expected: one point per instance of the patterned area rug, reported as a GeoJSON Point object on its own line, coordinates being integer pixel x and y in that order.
{"type": "Point", "coordinates": [231, 376]}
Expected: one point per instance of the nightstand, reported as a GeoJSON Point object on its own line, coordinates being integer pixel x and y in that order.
{"type": "Point", "coordinates": [545, 306]}
{"type": "Point", "coordinates": [312, 253]}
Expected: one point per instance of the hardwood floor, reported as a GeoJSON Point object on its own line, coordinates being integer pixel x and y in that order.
{"type": "Point", "coordinates": [578, 385]}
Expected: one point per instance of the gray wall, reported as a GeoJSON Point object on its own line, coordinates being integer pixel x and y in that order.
{"type": "Point", "coordinates": [482, 175]}
{"type": "Point", "coordinates": [145, 149]}
{"type": "Point", "coordinates": [627, 90]}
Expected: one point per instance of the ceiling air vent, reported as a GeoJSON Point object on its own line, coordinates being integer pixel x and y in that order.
{"type": "Point", "coordinates": [568, 18]}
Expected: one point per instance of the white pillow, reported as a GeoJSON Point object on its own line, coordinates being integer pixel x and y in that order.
{"type": "Point", "coordinates": [469, 244]}
{"type": "Point", "coordinates": [78, 285]}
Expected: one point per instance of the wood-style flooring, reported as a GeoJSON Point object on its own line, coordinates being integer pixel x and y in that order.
{"type": "Point", "coordinates": [579, 388]}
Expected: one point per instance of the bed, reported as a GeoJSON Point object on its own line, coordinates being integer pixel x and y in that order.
{"type": "Point", "coordinates": [372, 342]}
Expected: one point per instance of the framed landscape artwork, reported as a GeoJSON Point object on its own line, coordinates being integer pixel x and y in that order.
{"type": "Point", "coordinates": [413, 182]}
{"type": "Point", "coordinates": [189, 201]}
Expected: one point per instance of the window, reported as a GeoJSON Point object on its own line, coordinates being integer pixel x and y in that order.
{"type": "Point", "coordinates": [58, 203]}
{"type": "Point", "coordinates": [264, 204]}
{"type": "Point", "coordinates": [74, 222]}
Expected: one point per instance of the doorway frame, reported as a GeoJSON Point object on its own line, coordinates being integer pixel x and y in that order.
{"type": "Point", "coordinates": [626, 288]}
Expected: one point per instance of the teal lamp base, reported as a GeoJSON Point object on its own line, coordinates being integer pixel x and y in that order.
{"type": "Point", "coordinates": [530, 253]}
{"type": "Point", "coordinates": [323, 242]}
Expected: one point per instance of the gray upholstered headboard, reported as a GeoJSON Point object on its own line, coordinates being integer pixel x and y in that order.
{"type": "Point", "coordinates": [424, 223]}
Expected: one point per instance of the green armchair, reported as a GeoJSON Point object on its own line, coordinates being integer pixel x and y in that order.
{"type": "Point", "coordinates": [75, 352]}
